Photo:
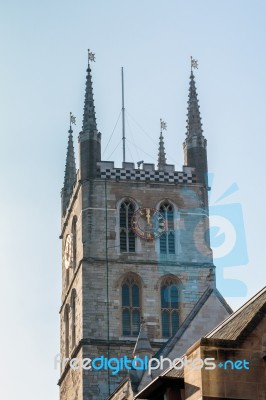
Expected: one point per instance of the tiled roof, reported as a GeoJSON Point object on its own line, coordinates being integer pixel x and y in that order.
{"type": "Point", "coordinates": [243, 320]}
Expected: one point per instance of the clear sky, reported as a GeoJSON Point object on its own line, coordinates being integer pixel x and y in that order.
{"type": "Point", "coordinates": [43, 51]}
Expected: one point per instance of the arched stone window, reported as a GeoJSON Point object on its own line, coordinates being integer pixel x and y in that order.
{"type": "Point", "coordinates": [74, 240]}
{"type": "Point", "coordinates": [73, 319]}
{"type": "Point", "coordinates": [66, 321]}
{"type": "Point", "coordinates": [127, 236]}
{"type": "Point", "coordinates": [167, 239]}
{"type": "Point", "coordinates": [131, 306]}
{"type": "Point", "coordinates": [169, 307]}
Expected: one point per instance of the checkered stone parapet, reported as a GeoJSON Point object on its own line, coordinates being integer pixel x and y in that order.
{"type": "Point", "coordinates": [144, 175]}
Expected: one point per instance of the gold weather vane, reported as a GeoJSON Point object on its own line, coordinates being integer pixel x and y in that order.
{"type": "Point", "coordinates": [91, 56]}
{"type": "Point", "coordinates": [72, 120]}
{"type": "Point", "coordinates": [194, 63]}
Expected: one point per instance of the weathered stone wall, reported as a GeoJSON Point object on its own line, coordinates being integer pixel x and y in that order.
{"type": "Point", "coordinates": [71, 386]}
{"type": "Point", "coordinates": [101, 267]}
{"type": "Point", "coordinates": [124, 392]}
{"type": "Point", "coordinates": [71, 381]}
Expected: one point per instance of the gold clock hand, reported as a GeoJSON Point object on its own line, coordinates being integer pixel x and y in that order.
{"type": "Point", "coordinates": [148, 215]}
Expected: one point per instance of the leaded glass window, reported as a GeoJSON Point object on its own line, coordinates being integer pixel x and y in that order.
{"type": "Point", "coordinates": [169, 307]}
{"type": "Point", "coordinates": [130, 307]}
{"type": "Point", "coordinates": [167, 239]}
{"type": "Point", "coordinates": [127, 236]}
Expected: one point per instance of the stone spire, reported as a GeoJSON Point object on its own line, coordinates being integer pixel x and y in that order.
{"type": "Point", "coordinates": [70, 172]}
{"type": "Point", "coordinates": [89, 118]}
{"type": "Point", "coordinates": [195, 144]}
{"type": "Point", "coordinates": [194, 126]}
{"type": "Point", "coordinates": [143, 346]}
{"type": "Point", "coordinates": [161, 154]}
{"type": "Point", "coordinates": [89, 137]}
{"type": "Point", "coordinates": [142, 350]}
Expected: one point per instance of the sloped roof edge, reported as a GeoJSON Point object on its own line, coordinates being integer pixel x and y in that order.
{"type": "Point", "coordinates": [168, 346]}
{"type": "Point", "coordinates": [238, 324]}
{"type": "Point", "coordinates": [118, 387]}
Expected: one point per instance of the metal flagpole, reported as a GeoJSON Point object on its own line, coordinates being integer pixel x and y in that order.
{"type": "Point", "coordinates": [123, 117]}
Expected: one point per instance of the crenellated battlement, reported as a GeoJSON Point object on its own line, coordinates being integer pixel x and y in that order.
{"type": "Point", "coordinates": [107, 170]}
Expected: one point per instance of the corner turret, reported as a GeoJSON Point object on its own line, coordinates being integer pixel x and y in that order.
{"type": "Point", "coordinates": [70, 172]}
{"type": "Point", "coordinates": [89, 138]}
{"type": "Point", "coordinates": [195, 145]}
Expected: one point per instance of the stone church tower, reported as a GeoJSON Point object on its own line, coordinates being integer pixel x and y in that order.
{"type": "Point", "coordinates": [135, 247]}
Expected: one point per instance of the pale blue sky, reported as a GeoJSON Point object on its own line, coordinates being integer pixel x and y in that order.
{"type": "Point", "coordinates": [43, 51]}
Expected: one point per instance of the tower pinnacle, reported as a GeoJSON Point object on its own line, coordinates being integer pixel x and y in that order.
{"type": "Point", "coordinates": [89, 137]}
{"type": "Point", "coordinates": [89, 118]}
{"type": "Point", "coordinates": [194, 126]}
{"type": "Point", "coordinates": [161, 154]}
{"type": "Point", "coordinates": [70, 170]}
{"type": "Point", "coordinates": [195, 144]}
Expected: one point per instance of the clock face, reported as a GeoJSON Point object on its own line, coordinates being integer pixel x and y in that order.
{"type": "Point", "coordinates": [68, 253]}
{"type": "Point", "coordinates": [148, 223]}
